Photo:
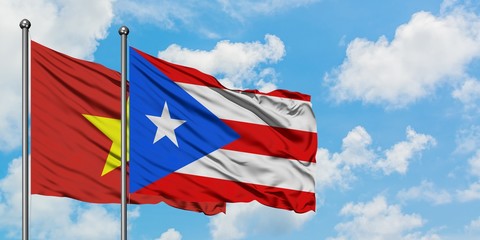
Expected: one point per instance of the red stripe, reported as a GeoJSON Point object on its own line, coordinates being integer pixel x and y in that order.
{"type": "Point", "coordinates": [204, 189]}
{"type": "Point", "coordinates": [179, 73]}
{"type": "Point", "coordinates": [273, 141]}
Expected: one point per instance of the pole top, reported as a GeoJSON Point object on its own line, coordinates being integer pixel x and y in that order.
{"type": "Point", "coordinates": [25, 24]}
{"type": "Point", "coordinates": [123, 30]}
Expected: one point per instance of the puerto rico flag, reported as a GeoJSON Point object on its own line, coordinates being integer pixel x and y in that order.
{"type": "Point", "coordinates": [195, 140]}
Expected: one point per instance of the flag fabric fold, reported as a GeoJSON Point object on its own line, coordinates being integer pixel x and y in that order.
{"type": "Point", "coordinates": [199, 141]}
{"type": "Point", "coordinates": [75, 133]}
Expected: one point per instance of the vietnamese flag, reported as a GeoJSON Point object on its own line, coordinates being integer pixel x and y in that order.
{"type": "Point", "coordinates": [75, 133]}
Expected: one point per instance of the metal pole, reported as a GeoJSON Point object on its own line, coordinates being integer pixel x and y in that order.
{"type": "Point", "coordinates": [25, 26]}
{"type": "Point", "coordinates": [123, 31]}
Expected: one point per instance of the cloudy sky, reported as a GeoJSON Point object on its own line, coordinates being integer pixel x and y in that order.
{"type": "Point", "coordinates": [395, 88]}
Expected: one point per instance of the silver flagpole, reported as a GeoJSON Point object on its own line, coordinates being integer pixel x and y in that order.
{"type": "Point", "coordinates": [25, 26]}
{"type": "Point", "coordinates": [123, 31]}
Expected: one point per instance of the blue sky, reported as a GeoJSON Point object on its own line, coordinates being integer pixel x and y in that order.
{"type": "Point", "coordinates": [395, 89]}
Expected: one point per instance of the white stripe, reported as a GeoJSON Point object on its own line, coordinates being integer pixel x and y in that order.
{"type": "Point", "coordinates": [256, 169]}
{"type": "Point", "coordinates": [254, 108]}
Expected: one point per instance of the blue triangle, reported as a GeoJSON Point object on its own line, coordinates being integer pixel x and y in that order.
{"type": "Point", "coordinates": [201, 134]}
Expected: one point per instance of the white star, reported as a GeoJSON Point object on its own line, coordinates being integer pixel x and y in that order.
{"type": "Point", "coordinates": [165, 125]}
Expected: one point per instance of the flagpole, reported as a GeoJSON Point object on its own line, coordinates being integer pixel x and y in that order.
{"type": "Point", "coordinates": [123, 31]}
{"type": "Point", "coordinates": [25, 26]}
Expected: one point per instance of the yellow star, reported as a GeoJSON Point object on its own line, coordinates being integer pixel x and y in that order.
{"type": "Point", "coordinates": [111, 127]}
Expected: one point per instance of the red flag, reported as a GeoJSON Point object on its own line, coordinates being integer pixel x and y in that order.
{"type": "Point", "coordinates": [75, 127]}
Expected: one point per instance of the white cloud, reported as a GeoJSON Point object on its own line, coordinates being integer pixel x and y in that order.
{"type": "Point", "coordinates": [448, 5]}
{"type": "Point", "coordinates": [398, 157]}
{"type": "Point", "coordinates": [331, 171]}
{"type": "Point", "coordinates": [411, 66]}
{"type": "Point", "coordinates": [61, 24]}
{"type": "Point", "coordinates": [164, 13]}
{"type": "Point", "coordinates": [468, 94]}
{"type": "Point", "coordinates": [378, 220]}
{"type": "Point", "coordinates": [244, 219]}
{"type": "Point", "coordinates": [355, 151]}
{"type": "Point", "coordinates": [473, 226]}
{"type": "Point", "coordinates": [474, 163]}
{"type": "Point", "coordinates": [11, 196]}
{"type": "Point", "coordinates": [470, 194]}
{"type": "Point", "coordinates": [420, 236]}
{"type": "Point", "coordinates": [170, 234]}
{"type": "Point", "coordinates": [52, 217]}
{"type": "Point", "coordinates": [169, 14]}
{"type": "Point", "coordinates": [468, 139]}
{"type": "Point", "coordinates": [242, 69]}
{"type": "Point", "coordinates": [337, 169]}
{"type": "Point", "coordinates": [242, 9]}
{"type": "Point", "coordinates": [425, 191]}
{"type": "Point", "coordinates": [134, 213]}
{"type": "Point", "coordinates": [58, 24]}
{"type": "Point", "coordinates": [72, 221]}
{"type": "Point", "coordinates": [471, 231]}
